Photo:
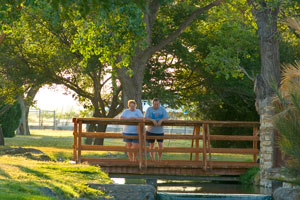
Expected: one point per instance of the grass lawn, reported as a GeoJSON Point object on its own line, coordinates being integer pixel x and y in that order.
{"type": "Point", "coordinates": [29, 177]}
{"type": "Point", "coordinates": [58, 145]}
{"type": "Point", "coordinates": [22, 178]}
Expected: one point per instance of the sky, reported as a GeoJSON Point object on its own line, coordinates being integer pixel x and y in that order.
{"type": "Point", "coordinates": [54, 99]}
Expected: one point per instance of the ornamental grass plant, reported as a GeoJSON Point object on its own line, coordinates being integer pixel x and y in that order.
{"type": "Point", "coordinates": [287, 119]}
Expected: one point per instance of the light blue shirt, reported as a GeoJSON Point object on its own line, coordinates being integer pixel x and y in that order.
{"type": "Point", "coordinates": [158, 114]}
{"type": "Point", "coordinates": [127, 114]}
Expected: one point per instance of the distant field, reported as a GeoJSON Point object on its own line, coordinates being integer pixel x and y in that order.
{"type": "Point", "coordinates": [58, 145]}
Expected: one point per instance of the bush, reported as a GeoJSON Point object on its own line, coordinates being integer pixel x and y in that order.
{"type": "Point", "coordinates": [249, 176]}
{"type": "Point", "coordinates": [10, 120]}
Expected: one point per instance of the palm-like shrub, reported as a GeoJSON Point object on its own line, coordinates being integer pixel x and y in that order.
{"type": "Point", "coordinates": [287, 120]}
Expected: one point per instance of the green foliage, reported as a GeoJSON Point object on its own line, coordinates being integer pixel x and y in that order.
{"type": "Point", "coordinates": [249, 175]}
{"type": "Point", "coordinates": [10, 120]}
{"type": "Point", "coordinates": [201, 71]}
{"type": "Point", "coordinates": [38, 51]}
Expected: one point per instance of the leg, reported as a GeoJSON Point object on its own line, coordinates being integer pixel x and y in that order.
{"type": "Point", "coordinates": [152, 154]}
{"type": "Point", "coordinates": [128, 146]}
{"type": "Point", "coordinates": [160, 146]}
{"type": "Point", "coordinates": [134, 146]}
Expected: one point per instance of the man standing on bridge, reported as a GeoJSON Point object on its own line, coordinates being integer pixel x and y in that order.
{"type": "Point", "coordinates": [157, 114]}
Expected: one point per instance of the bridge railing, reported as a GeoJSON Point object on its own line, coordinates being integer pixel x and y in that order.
{"type": "Point", "coordinates": [200, 149]}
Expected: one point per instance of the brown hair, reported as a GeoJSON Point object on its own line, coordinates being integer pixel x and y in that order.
{"type": "Point", "coordinates": [131, 101]}
{"type": "Point", "coordinates": [155, 99]}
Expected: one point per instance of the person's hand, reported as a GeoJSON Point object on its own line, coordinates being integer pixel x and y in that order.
{"type": "Point", "coordinates": [159, 123]}
{"type": "Point", "coordinates": [154, 122]}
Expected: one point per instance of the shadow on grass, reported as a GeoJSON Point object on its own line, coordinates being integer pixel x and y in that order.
{"type": "Point", "coordinates": [3, 173]}
{"type": "Point", "coordinates": [34, 172]}
{"type": "Point", "coordinates": [11, 189]}
{"type": "Point", "coordinates": [34, 188]}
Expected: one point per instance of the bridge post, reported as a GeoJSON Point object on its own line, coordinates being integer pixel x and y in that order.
{"type": "Point", "coordinates": [192, 145]}
{"type": "Point", "coordinates": [204, 145]}
{"type": "Point", "coordinates": [140, 132]}
{"type": "Point", "coordinates": [255, 133]}
{"type": "Point", "coordinates": [75, 140]}
{"type": "Point", "coordinates": [79, 142]}
{"type": "Point", "coordinates": [197, 141]}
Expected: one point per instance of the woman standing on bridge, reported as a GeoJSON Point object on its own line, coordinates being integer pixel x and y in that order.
{"type": "Point", "coordinates": [130, 130]}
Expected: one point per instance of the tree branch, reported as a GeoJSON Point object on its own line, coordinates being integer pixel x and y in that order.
{"type": "Point", "coordinates": [2, 37]}
{"type": "Point", "coordinates": [151, 50]}
{"type": "Point", "coordinates": [70, 85]}
{"type": "Point", "coordinates": [4, 109]}
{"type": "Point", "coordinates": [245, 72]}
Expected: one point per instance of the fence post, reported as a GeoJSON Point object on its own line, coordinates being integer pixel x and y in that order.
{"type": "Point", "coordinates": [140, 132]}
{"type": "Point", "coordinates": [197, 142]}
{"type": "Point", "coordinates": [255, 133]}
{"type": "Point", "coordinates": [208, 144]}
{"type": "Point", "coordinates": [54, 124]}
{"type": "Point", "coordinates": [145, 143]}
{"type": "Point", "coordinates": [204, 146]}
{"type": "Point", "coordinates": [75, 140]}
{"type": "Point", "coordinates": [40, 120]}
{"type": "Point", "coordinates": [79, 142]}
{"type": "Point", "coordinates": [192, 145]}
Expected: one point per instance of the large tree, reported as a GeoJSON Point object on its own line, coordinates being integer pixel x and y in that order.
{"type": "Point", "coordinates": [42, 51]}
{"type": "Point", "coordinates": [267, 14]}
{"type": "Point", "coordinates": [131, 67]}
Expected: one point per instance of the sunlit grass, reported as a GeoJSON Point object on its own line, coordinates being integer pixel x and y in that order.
{"type": "Point", "coordinates": [58, 145]}
{"type": "Point", "coordinates": [22, 178]}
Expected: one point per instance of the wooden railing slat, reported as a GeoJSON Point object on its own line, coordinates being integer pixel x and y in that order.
{"type": "Point", "coordinates": [234, 137]}
{"type": "Point", "coordinates": [142, 149]}
{"type": "Point", "coordinates": [234, 150]}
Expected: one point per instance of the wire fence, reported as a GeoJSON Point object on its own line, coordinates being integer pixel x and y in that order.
{"type": "Point", "coordinates": [49, 119]}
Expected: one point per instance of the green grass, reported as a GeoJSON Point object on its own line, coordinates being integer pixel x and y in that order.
{"type": "Point", "coordinates": [25, 178]}
{"type": "Point", "coordinates": [22, 178]}
{"type": "Point", "coordinates": [58, 145]}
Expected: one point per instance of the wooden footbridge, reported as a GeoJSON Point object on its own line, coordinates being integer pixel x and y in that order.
{"type": "Point", "coordinates": [200, 153]}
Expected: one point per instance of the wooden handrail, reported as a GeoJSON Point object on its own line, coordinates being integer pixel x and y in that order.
{"type": "Point", "coordinates": [168, 122]}
{"type": "Point", "coordinates": [199, 161]}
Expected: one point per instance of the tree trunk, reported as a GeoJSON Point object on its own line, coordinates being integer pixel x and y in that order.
{"type": "Point", "coordinates": [90, 128]}
{"type": "Point", "coordinates": [1, 137]}
{"type": "Point", "coordinates": [25, 106]}
{"type": "Point", "coordinates": [266, 19]}
{"type": "Point", "coordinates": [132, 86]}
{"type": "Point", "coordinates": [21, 130]}
{"type": "Point", "coordinates": [94, 127]}
{"type": "Point", "coordinates": [100, 128]}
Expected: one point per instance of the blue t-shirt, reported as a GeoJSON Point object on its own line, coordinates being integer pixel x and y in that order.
{"type": "Point", "coordinates": [158, 114]}
{"type": "Point", "coordinates": [127, 114]}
